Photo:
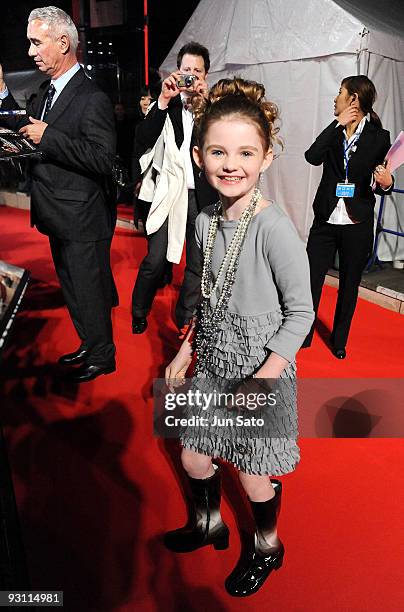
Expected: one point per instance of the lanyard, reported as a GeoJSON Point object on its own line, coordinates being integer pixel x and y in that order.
{"type": "Point", "coordinates": [346, 149]}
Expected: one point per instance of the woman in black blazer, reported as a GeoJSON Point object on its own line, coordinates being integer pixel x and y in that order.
{"type": "Point", "coordinates": [352, 150]}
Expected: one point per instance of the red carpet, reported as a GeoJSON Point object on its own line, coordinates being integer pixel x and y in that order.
{"type": "Point", "coordinates": [125, 212]}
{"type": "Point", "coordinates": [96, 490]}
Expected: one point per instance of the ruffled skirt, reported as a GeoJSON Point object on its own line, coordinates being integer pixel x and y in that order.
{"type": "Point", "coordinates": [240, 350]}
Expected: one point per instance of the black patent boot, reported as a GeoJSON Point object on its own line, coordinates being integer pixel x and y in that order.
{"type": "Point", "coordinates": [207, 526]}
{"type": "Point", "coordinates": [265, 557]}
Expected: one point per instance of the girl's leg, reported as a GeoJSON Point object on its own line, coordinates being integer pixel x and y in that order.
{"type": "Point", "coordinates": [258, 488]}
{"type": "Point", "coordinates": [197, 465]}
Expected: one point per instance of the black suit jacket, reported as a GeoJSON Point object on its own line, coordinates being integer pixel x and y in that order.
{"type": "Point", "coordinates": [150, 128]}
{"type": "Point", "coordinates": [327, 149]}
{"type": "Point", "coordinates": [70, 196]}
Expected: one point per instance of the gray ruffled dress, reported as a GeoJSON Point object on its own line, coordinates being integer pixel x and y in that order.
{"type": "Point", "coordinates": [270, 309]}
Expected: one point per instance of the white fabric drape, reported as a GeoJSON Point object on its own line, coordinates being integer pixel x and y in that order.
{"type": "Point", "coordinates": [388, 75]}
{"type": "Point", "coordinates": [301, 50]}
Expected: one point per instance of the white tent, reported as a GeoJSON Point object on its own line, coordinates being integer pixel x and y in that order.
{"type": "Point", "coordinates": [301, 50]}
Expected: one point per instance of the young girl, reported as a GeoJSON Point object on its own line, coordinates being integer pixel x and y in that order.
{"type": "Point", "coordinates": [254, 314]}
{"type": "Point", "coordinates": [351, 149]}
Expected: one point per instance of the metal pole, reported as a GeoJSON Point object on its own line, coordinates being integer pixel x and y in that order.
{"type": "Point", "coordinates": [146, 43]}
{"type": "Point", "coordinates": [118, 80]}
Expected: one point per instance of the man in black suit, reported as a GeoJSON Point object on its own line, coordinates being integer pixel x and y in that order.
{"type": "Point", "coordinates": [71, 121]}
{"type": "Point", "coordinates": [174, 102]}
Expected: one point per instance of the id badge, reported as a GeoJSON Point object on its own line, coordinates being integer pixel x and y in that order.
{"type": "Point", "coordinates": [345, 190]}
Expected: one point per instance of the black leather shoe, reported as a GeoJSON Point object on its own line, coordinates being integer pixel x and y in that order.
{"type": "Point", "coordinates": [139, 325]}
{"type": "Point", "coordinates": [73, 358]}
{"type": "Point", "coordinates": [339, 353]}
{"type": "Point", "coordinates": [88, 372]}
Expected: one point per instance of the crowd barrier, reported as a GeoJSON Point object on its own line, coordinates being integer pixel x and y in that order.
{"type": "Point", "coordinates": [374, 260]}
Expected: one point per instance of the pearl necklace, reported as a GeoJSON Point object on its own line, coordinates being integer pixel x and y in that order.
{"type": "Point", "coordinates": [232, 253]}
{"type": "Point", "coordinates": [208, 323]}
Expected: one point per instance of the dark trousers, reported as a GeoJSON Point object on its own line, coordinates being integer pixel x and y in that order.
{"type": "Point", "coordinates": [154, 265]}
{"type": "Point", "coordinates": [354, 245]}
{"type": "Point", "coordinates": [85, 276]}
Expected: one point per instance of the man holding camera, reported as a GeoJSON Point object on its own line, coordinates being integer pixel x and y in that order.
{"type": "Point", "coordinates": [166, 138]}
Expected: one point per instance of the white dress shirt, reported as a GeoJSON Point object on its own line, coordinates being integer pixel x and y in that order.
{"type": "Point", "coordinates": [60, 83]}
{"type": "Point", "coordinates": [188, 126]}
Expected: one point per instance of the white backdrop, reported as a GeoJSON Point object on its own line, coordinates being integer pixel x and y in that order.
{"type": "Point", "coordinates": [301, 50]}
{"type": "Point", "coordinates": [388, 75]}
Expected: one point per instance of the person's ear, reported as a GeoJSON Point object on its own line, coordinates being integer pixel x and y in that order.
{"type": "Point", "coordinates": [268, 159]}
{"type": "Point", "coordinates": [64, 43]}
{"type": "Point", "coordinates": [197, 155]}
{"type": "Point", "coordinates": [354, 100]}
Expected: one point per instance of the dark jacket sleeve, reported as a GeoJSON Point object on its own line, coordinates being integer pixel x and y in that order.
{"type": "Point", "coordinates": [136, 174]}
{"type": "Point", "coordinates": [316, 154]}
{"type": "Point", "coordinates": [386, 144]}
{"type": "Point", "coordinates": [149, 129]}
{"type": "Point", "coordinates": [94, 151]}
{"type": "Point", "coordinates": [12, 123]}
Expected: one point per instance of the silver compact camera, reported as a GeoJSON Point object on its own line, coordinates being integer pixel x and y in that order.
{"type": "Point", "coordinates": [186, 80]}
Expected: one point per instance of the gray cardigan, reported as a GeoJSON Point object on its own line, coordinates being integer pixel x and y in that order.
{"type": "Point", "coordinates": [273, 274]}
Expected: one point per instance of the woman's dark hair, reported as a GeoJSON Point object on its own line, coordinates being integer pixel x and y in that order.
{"type": "Point", "coordinates": [366, 92]}
{"type": "Point", "coordinates": [194, 48]}
{"type": "Point", "coordinates": [237, 98]}
{"type": "Point", "coordinates": [144, 92]}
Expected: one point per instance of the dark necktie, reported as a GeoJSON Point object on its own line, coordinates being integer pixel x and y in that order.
{"type": "Point", "coordinates": [49, 98]}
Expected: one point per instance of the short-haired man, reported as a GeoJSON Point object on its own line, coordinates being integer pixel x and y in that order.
{"type": "Point", "coordinates": [181, 191]}
{"type": "Point", "coordinates": [72, 123]}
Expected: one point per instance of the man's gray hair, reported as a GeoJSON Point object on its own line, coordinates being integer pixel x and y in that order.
{"type": "Point", "coordinates": [59, 23]}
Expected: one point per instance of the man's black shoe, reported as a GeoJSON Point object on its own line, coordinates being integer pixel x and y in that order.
{"type": "Point", "coordinates": [73, 358]}
{"type": "Point", "coordinates": [88, 372]}
{"type": "Point", "coordinates": [139, 325]}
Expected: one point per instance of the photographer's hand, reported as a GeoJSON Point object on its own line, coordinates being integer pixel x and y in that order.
{"type": "Point", "coordinates": [169, 89]}
{"type": "Point", "coordinates": [201, 87]}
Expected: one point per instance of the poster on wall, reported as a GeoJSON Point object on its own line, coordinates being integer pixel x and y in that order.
{"type": "Point", "coordinates": [13, 283]}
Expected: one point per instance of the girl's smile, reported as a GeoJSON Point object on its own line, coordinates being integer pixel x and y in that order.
{"type": "Point", "coordinates": [232, 157]}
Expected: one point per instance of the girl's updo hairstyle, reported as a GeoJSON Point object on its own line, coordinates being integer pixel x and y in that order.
{"type": "Point", "coordinates": [237, 98]}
